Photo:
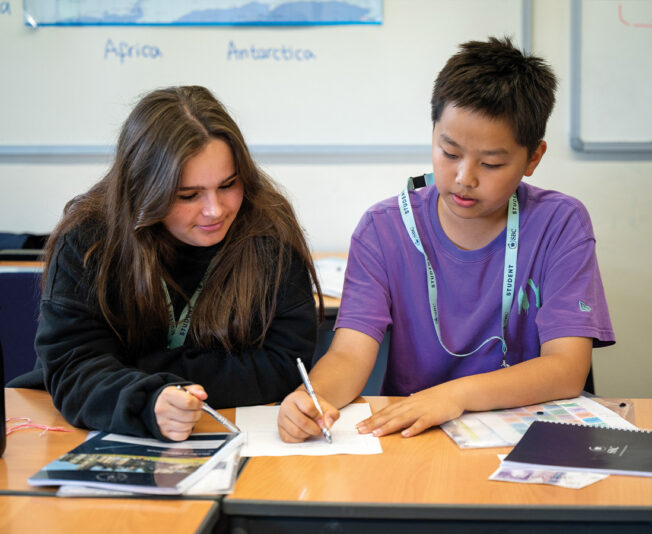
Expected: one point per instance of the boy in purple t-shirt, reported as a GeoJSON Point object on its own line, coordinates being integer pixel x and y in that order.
{"type": "Point", "coordinates": [490, 286]}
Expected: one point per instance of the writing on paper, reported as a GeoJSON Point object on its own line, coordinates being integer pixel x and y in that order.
{"type": "Point", "coordinates": [259, 423]}
{"type": "Point", "coordinates": [275, 53]}
{"type": "Point", "coordinates": [5, 8]}
{"type": "Point", "coordinates": [124, 50]}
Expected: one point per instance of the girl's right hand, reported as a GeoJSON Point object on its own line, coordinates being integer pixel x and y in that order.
{"type": "Point", "coordinates": [298, 418]}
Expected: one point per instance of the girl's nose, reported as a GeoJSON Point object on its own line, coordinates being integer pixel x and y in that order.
{"type": "Point", "coordinates": [211, 207]}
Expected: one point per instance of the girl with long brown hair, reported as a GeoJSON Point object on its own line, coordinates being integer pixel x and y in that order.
{"type": "Point", "coordinates": [184, 265]}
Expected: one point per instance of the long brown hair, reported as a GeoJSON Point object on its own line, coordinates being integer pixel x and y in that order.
{"type": "Point", "coordinates": [165, 129]}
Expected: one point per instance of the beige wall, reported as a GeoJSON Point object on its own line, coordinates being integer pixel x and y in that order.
{"type": "Point", "coordinates": [331, 193]}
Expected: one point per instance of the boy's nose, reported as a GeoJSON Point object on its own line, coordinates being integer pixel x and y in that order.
{"type": "Point", "coordinates": [465, 176]}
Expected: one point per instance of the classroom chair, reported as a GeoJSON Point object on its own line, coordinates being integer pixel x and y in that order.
{"type": "Point", "coordinates": [9, 240]}
{"type": "Point", "coordinates": [3, 434]}
{"type": "Point", "coordinates": [20, 295]}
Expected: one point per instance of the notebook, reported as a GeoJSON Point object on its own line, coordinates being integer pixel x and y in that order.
{"type": "Point", "coordinates": [139, 465]}
{"type": "Point", "coordinates": [583, 448]}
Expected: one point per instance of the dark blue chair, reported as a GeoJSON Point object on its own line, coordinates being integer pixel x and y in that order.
{"type": "Point", "coordinates": [3, 435]}
{"type": "Point", "coordinates": [20, 295]}
{"type": "Point", "coordinates": [10, 240]}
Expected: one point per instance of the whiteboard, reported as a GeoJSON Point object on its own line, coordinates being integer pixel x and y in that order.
{"type": "Point", "coordinates": [325, 89]}
{"type": "Point", "coordinates": [611, 75]}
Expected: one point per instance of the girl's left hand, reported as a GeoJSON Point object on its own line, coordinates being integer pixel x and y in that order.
{"type": "Point", "coordinates": [178, 410]}
{"type": "Point", "coordinates": [414, 414]}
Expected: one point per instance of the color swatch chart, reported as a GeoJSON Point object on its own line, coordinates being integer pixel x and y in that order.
{"type": "Point", "coordinates": [501, 428]}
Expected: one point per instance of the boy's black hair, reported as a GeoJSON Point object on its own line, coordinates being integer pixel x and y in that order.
{"type": "Point", "coordinates": [496, 79]}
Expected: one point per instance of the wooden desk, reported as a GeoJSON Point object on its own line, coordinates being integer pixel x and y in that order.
{"type": "Point", "coordinates": [27, 451]}
{"type": "Point", "coordinates": [27, 515]}
{"type": "Point", "coordinates": [26, 509]}
{"type": "Point", "coordinates": [421, 482]}
{"type": "Point", "coordinates": [29, 265]}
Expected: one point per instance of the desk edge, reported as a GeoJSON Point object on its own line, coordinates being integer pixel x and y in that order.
{"type": "Point", "coordinates": [347, 510]}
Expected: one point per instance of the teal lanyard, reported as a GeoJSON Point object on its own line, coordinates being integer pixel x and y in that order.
{"type": "Point", "coordinates": [177, 332]}
{"type": "Point", "coordinates": [509, 274]}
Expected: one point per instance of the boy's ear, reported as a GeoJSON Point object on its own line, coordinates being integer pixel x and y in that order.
{"type": "Point", "coordinates": [535, 158]}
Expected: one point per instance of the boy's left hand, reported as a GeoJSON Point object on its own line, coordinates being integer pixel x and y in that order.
{"type": "Point", "coordinates": [559, 373]}
{"type": "Point", "coordinates": [416, 413]}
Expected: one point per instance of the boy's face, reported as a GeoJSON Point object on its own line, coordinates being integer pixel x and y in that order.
{"type": "Point", "coordinates": [477, 165]}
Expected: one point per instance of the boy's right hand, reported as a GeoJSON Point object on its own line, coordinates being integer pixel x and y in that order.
{"type": "Point", "coordinates": [298, 418]}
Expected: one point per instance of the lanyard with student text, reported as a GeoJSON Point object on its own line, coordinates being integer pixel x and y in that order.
{"type": "Point", "coordinates": [509, 273]}
{"type": "Point", "coordinates": [177, 332]}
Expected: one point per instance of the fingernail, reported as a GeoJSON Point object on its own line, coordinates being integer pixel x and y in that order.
{"type": "Point", "coordinates": [406, 434]}
{"type": "Point", "coordinates": [376, 433]}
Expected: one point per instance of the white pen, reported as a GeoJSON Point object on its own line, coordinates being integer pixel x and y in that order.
{"type": "Point", "coordinates": [311, 392]}
{"type": "Point", "coordinates": [213, 413]}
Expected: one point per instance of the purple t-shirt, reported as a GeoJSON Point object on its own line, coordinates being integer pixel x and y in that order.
{"type": "Point", "coordinates": [558, 293]}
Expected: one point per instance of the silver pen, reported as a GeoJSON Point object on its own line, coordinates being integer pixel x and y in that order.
{"type": "Point", "coordinates": [214, 413]}
{"type": "Point", "coordinates": [311, 392]}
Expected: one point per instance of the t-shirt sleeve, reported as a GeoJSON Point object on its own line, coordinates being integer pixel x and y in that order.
{"type": "Point", "coordinates": [573, 302]}
{"type": "Point", "coordinates": [366, 297]}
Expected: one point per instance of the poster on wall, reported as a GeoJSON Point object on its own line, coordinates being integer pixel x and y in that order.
{"type": "Point", "coordinates": [201, 12]}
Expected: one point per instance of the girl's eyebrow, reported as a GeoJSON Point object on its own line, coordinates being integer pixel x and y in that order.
{"type": "Point", "coordinates": [200, 187]}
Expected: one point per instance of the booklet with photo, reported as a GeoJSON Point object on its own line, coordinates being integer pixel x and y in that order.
{"type": "Point", "coordinates": [587, 448]}
{"type": "Point", "coordinates": [139, 465]}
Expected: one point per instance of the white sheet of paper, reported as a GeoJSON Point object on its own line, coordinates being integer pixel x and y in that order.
{"type": "Point", "coordinates": [259, 423]}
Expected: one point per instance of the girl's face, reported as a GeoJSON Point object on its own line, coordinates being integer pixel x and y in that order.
{"type": "Point", "coordinates": [208, 198]}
